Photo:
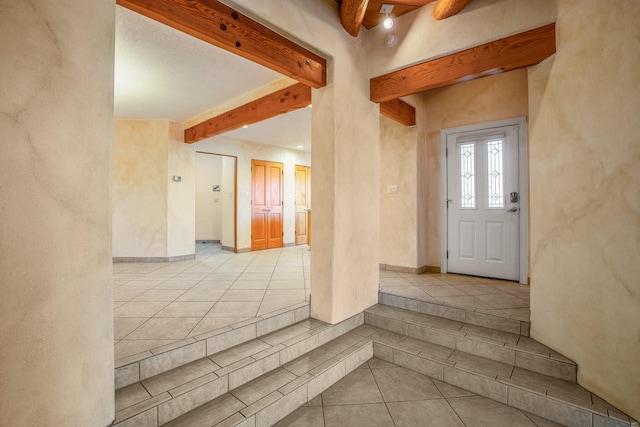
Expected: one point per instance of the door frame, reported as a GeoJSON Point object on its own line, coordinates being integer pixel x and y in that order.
{"type": "Point", "coordinates": [295, 202]}
{"type": "Point", "coordinates": [235, 195]}
{"type": "Point", "coordinates": [523, 175]}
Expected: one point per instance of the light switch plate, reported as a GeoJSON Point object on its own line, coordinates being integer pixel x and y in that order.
{"type": "Point", "coordinates": [392, 189]}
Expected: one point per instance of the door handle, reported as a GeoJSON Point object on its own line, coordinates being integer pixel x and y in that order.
{"type": "Point", "coordinates": [266, 209]}
{"type": "Point", "coordinates": [514, 209]}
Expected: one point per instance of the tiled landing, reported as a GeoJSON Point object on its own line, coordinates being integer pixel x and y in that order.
{"type": "Point", "coordinates": [158, 304]}
{"type": "Point", "coordinates": [488, 296]}
{"type": "Point", "coordinates": [490, 303]}
{"type": "Point", "coordinates": [380, 393]}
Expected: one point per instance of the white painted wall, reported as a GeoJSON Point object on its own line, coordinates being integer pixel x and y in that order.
{"type": "Point", "coordinates": [228, 197]}
{"type": "Point", "coordinates": [208, 203]}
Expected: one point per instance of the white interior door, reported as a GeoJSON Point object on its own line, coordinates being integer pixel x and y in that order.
{"type": "Point", "coordinates": [483, 209]}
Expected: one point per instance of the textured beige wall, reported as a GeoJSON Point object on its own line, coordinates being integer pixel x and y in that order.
{"type": "Point", "coordinates": [245, 151]}
{"type": "Point", "coordinates": [484, 100]}
{"type": "Point", "coordinates": [56, 131]}
{"type": "Point", "coordinates": [153, 216]}
{"type": "Point", "coordinates": [345, 154]}
{"type": "Point", "coordinates": [584, 136]}
{"type": "Point", "coordinates": [140, 182]}
{"type": "Point", "coordinates": [181, 196]}
{"type": "Point", "coordinates": [398, 211]}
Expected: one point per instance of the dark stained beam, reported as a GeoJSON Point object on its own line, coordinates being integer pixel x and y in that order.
{"type": "Point", "coordinates": [447, 8]}
{"type": "Point", "coordinates": [400, 111]}
{"type": "Point", "coordinates": [279, 102]}
{"type": "Point", "coordinates": [510, 53]}
{"type": "Point", "coordinates": [220, 25]}
{"type": "Point", "coordinates": [352, 14]}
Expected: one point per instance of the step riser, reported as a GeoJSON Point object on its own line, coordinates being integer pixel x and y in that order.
{"type": "Point", "coordinates": [497, 389]}
{"type": "Point", "coordinates": [174, 403]}
{"type": "Point", "coordinates": [459, 314]}
{"type": "Point", "coordinates": [138, 368]}
{"type": "Point", "coordinates": [457, 341]}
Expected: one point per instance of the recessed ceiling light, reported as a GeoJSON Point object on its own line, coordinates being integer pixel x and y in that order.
{"type": "Point", "coordinates": [300, 146]}
{"type": "Point", "coordinates": [245, 126]}
{"type": "Point", "coordinates": [310, 105]}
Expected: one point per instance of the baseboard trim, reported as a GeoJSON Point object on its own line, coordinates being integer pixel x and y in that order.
{"type": "Point", "coordinates": [227, 248]}
{"type": "Point", "coordinates": [410, 270]}
{"type": "Point", "coordinates": [207, 241]}
{"type": "Point", "coordinates": [243, 250]}
{"type": "Point", "coordinates": [288, 245]}
{"type": "Point", "coordinates": [154, 259]}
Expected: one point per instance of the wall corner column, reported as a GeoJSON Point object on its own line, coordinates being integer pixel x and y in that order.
{"type": "Point", "coordinates": [56, 128]}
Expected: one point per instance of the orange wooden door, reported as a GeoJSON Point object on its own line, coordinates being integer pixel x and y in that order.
{"type": "Point", "coordinates": [303, 203]}
{"type": "Point", "coordinates": [266, 205]}
{"type": "Point", "coordinates": [275, 213]}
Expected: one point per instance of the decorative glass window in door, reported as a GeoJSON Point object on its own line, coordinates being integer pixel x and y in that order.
{"type": "Point", "coordinates": [495, 174]}
{"type": "Point", "coordinates": [468, 175]}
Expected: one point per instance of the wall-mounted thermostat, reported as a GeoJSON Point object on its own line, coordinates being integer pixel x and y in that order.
{"type": "Point", "coordinates": [216, 187]}
{"type": "Point", "coordinates": [177, 178]}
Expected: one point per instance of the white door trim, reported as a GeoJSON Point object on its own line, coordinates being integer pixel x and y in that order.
{"type": "Point", "coordinates": [521, 123]}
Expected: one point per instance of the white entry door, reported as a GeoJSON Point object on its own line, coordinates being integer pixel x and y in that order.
{"type": "Point", "coordinates": [483, 203]}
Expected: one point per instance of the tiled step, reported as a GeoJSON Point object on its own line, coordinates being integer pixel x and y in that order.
{"type": "Point", "coordinates": [270, 398]}
{"type": "Point", "coordinates": [562, 401]}
{"type": "Point", "coordinates": [160, 399]}
{"type": "Point", "coordinates": [506, 347]}
{"type": "Point", "coordinates": [142, 366]}
{"type": "Point", "coordinates": [474, 316]}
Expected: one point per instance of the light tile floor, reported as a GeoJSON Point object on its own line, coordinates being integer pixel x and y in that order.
{"type": "Point", "coordinates": [382, 394]}
{"type": "Point", "coordinates": [497, 297]}
{"type": "Point", "coordinates": [156, 304]}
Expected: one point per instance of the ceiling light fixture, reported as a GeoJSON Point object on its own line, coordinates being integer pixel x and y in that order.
{"type": "Point", "coordinates": [245, 126]}
{"type": "Point", "coordinates": [387, 23]}
{"type": "Point", "coordinates": [300, 146]}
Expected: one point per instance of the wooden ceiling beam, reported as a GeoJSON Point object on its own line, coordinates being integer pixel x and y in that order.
{"type": "Point", "coordinates": [228, 29]}
{"type": "Point", "coordinates": [352, 15]}
{"type": "Point", "coordinates": [510, 53]}
{"type": "Point", "coordinates": [400, 111]}
{"type": "Point", "coordinates": [447, 8]}
{"type": "Point", "coordinates": [272, 105]}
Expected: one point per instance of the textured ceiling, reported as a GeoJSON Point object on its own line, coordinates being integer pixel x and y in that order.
{"type": "Point", "coordinates": [162, 73]}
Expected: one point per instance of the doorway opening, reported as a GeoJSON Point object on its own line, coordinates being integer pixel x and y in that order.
{"type": "Point", "coordinates": [484, 200]}
{"type": "Point", "coordinates": [216, 201]}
